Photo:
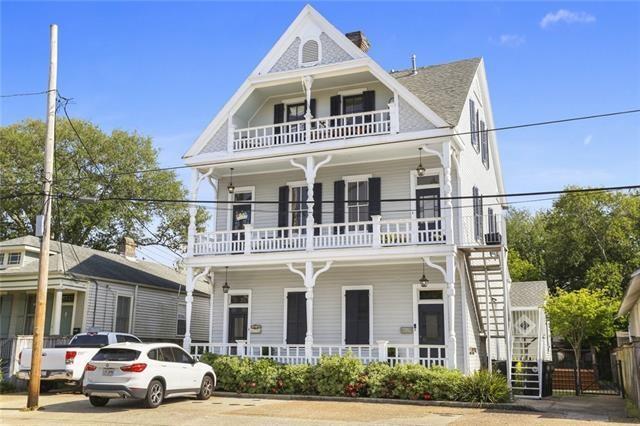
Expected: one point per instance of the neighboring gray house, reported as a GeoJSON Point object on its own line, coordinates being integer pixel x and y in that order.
{"type": "Point", "coordinates": [92, 289]}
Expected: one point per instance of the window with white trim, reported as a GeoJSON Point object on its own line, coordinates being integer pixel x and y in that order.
{"type": "Point", "coordinates": [357, 200]}
{"type": "Point", "coordinates": [298, 207]}
{"type": "Point", "coordinates": [123, 314]}
{"type": "Point", "coordinates": [14, 258]}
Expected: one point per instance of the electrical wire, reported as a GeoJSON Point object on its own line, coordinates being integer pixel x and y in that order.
{"type": "Point", "coordinates": [15, 95]}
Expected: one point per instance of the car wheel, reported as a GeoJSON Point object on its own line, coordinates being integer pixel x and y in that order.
{"type": "Point", "coordinates": [98, 401]}
{"type": "Point", "coordinates": [206, 388]}
{"type": "Point", "coordinates": [155, 394]}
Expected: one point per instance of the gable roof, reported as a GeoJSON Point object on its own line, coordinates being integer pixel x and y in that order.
{"type": "Point", "coordinates": [528, 293]}
{"type": "Point", "coordinates": [443, 87]}
{"type": "Point", "coordinates": [85, 261]}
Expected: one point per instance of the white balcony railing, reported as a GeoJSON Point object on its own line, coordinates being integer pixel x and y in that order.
{"type": "Point", "coordinates": [427, 355]}
{"type": "Point", "coordinates": [319, 129]}
{"type": "Point", "coordinates": [375, 233]}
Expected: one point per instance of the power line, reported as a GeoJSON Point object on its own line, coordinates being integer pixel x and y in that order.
{"type": "Point", "coordinates": [15, 95]}
{"type": "Point", "coordinates": [495, 129]}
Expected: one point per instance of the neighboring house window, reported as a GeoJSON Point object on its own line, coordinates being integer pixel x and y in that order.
{"type": "Point", "coordinates": [181, 326]}
{"type": "Point", "coordinates": [299, 205]}
{"type": "Point", "coordinates": [123, 314]}
{"type": "Point", "coordinates": [473, 114]}
{"type": "Point", "coordinates": [357, 200]}
{"type": "Point", "coordinates": [30, 313]}
{"type": "Point", "coordinates": [484, 145]}
{"type": "Point", "coordinates": [1, 259]}
{"type": "Point", "coordinates": [14, 258]}
{"type": "Point", "coordinates": [310, 53]}
{"type": "Point", "coordinates": [477, 215]}
{"type": "Point", "coordinates": [352, 104]}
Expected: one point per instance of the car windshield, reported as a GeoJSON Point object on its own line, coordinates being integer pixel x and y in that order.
{"type": "Point", "coordinates": [113, 354]}
{"type": "Point", "coordinates": [90, 340]}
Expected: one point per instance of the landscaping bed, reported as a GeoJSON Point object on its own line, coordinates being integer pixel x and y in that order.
{"type": "Point", "coordinates": [346, 376]}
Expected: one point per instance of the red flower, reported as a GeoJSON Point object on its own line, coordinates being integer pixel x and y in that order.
{"type": "Point", "coordinates": [427, 396]}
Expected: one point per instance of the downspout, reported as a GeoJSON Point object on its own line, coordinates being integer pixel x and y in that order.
{"type": "Point", "coordinates": [135, 305]}
{"type": "Point", "coordinates": [95, 304]}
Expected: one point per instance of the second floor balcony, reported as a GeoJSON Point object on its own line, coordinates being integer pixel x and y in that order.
{"type": "Point", "coordinates": [343, 126]}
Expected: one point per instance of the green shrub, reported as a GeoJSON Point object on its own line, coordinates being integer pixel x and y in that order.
{"type": "Point", "coordinates": [338, 375]}
{"type": "Point", "coordinates": [483, 386]}
{"type": "Point", "coordinates": [230, 371]}
{"type": "Point", "coordinates": [413, 381]}
{"type": "Point", "coordinates": [376, 378]}
{"type": "Point", "coordinates": [295, 379]}
{"type": "Point", "coordinates": [261, 376]}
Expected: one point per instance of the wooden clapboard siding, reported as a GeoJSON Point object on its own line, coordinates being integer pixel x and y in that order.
{"type": "Point", "coordinates": [392, 301]}
{"type": "Point", "coordinates": [395, 181]}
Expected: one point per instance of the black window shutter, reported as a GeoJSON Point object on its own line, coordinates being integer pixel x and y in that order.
{"type": "Point", "coordinates": [283, 206]}
{"type": "Point", "coordinates": [338, 201]}
{"type": "Point", "coordinates": [375, 184]}
{"type": "Point", "coordinates": [278, 116]}
{"type": "Point", "coordinates": [313, 108]}
{"type": "Point", "coordinates": [369, 100]}
{"type": "Point", "coordinates": [317, 205]}
{"type": "Point", "coordinates": [335, 105]}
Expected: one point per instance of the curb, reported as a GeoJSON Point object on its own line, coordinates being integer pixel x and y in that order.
{"type": "Point", "coordinates": [508, 406]}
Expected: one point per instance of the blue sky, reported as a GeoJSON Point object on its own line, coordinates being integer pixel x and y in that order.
{"type": "Point", "coordinates": [164, 69]}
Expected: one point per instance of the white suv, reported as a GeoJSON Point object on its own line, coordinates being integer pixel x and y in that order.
{"type": "Point", "coordinates": [150, 372]}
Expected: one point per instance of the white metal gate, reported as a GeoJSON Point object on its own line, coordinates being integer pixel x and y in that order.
{"type": "Point", "coordinates": [527, 328]}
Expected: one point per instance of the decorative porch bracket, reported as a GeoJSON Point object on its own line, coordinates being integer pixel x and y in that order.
{"type": "Point", "coordinates": [448, 273]}
{"type": "Point", "coordinates": [309, 278]}
{"type": "Point", "coordinates": [191, 283]}
{"type": "Point", "coordinates": [310, 171]}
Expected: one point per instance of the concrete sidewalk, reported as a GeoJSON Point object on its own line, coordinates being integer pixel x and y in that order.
{"type": "Point", "coordinates": [603, 408]}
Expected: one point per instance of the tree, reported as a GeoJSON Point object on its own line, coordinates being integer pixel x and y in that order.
{"type": "Point", "coordinates": [525, 232]}
{"type": "Point", "coordinates": [580, 317]}
{"type": "Point", "coordinates": [99, 170]}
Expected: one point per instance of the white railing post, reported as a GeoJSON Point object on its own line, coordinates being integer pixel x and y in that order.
{"type": "Point", "coordinates": [414, 228]}
{"type": "Point", "coordinates": [383, 353]}
{"type": "Point", "coordinates": [241, 348]}
{"type": "Point", "coordinates": [377, 243]}
{"type": "Point", "coordinates": [247, 238]}
{"type": "Point", "coordinates": [394, 118]}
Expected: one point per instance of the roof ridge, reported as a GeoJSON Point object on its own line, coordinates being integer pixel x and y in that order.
{"type": "Point", "coordinates": [477, 58]}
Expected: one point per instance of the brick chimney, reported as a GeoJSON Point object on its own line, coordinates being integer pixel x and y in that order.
{"type": "Point", "coordinates": [359, 39]}
{"type": "Point", "coordinates": [128, 248]}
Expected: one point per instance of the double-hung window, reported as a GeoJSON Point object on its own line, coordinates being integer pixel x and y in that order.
{"type": "Point", "coordinates": [299, 205]}
{"type": "Point", "coordinates": [295, 112]}
{"type": "Point", "coordinates": [473, 121]}
{"type": "Point", "coordinates": [484, 144]}
{"type": "Point", "coordinates": [357, 200]}
{"type": "Point", "coordinates": [14, 258]}
{"type": "Point", "coordinates": [181, 320]}
{"type": "Point", "coordinates": [123, 314]}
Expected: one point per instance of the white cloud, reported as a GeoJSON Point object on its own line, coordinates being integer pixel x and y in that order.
{"type": "Point", "coordinates": [509, 40]}
{"type": "Point", "coordinates": [588, 139]}
{"type": "Point", "coordinates": [566, 16]}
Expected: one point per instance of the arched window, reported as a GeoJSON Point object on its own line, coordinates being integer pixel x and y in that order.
{"type": "Point", "coordinates": [310, 52]}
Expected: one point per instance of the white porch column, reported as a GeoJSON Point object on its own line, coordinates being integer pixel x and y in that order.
{"type": "Point", "coordinates": [56, 312]}
{"type": "Point", "coordinates": [449, 273]}
{"type": "Point", "coordinates": [309, 278]}
{"type": "Point", "coordinates": [310, 171]}
{"type": "Point", "coordinates": [451, 311]}
{"type": "Point", "coordinates": [212, 285]}
{"type": "Point", "coordinates": [186, 342]}
{"type": "Point", "coordinates": [307, 82]}
{"type": "Point", "coordinates": [448, 191]}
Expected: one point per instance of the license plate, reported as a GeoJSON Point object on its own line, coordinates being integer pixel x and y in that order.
{"type": "Point", "coordinates": [44, 373]}
{"type": "Point", "coordinates": [107, 372]}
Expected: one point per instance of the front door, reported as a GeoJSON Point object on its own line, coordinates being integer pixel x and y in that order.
{"type": "Point", "coordinates": [427, 206]}
{"type": "Point", "coordinates": [5, 314]}
{"type": "Point", "coordinates": [430, 328]}
{"type": "Point", "coordinates": [296, 317]}
{"type": "Point", "coordinates": [356, 316]}
{"type": "Point", "coordinates": [66, 313]}
{"type": "Point", "coordinates": [241, 215]}
{"type": "Point", "coordinates": [238, 318]}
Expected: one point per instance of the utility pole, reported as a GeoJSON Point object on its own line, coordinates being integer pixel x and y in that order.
{"type": "Point", "coordinates": [43, 267]}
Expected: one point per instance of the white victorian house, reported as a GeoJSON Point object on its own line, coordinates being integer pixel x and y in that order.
{"type": "Point", "coordinates": [355, 209]}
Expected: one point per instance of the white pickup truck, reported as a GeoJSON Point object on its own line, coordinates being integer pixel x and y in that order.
{"type": "Point", "coordinates": [66, 363]}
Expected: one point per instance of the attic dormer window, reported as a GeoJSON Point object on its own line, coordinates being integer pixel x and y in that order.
{"type": "Point", "coordinates": [310, 53]}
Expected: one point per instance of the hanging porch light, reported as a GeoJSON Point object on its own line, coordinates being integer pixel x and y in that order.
{"type": "Point", "coordinates": [420, 170]}
{"type": "Point", "coordinates": [226, 287]}
{"type": "Point", "coordinates": [423, 279]}
{"type": "Point", "coordinates": [230, 187]}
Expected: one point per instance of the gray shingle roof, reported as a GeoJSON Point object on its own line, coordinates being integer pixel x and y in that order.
{"type": "Point", "coordinates": [528, 293]}
{"type": "Point", "coordinates": [443, 88]}
{"type": "Point", "coordinates": [89, 262]}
